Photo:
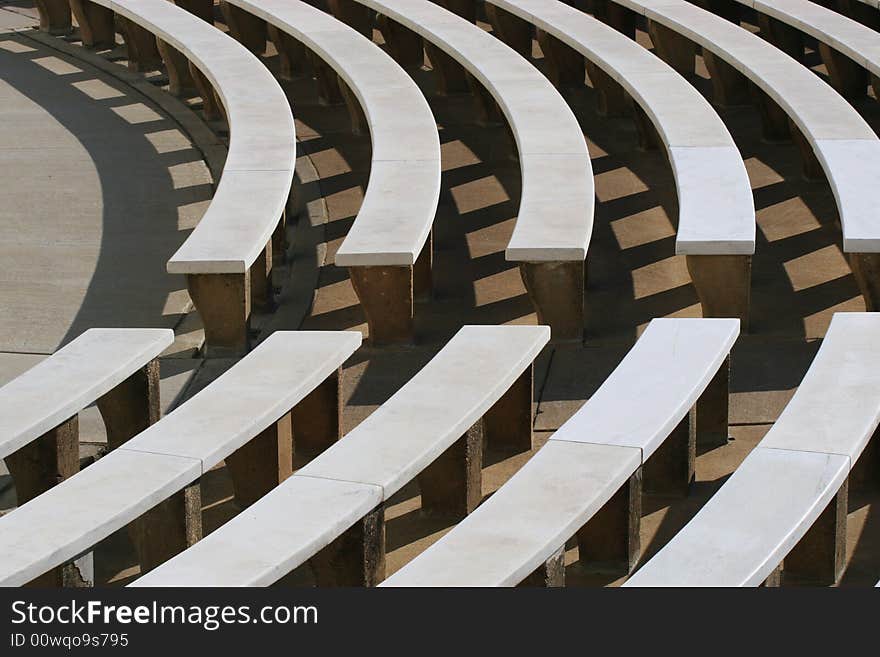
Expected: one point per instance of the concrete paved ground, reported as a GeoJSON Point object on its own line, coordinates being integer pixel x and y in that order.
{"type": "Point", "coordinates": [800, 278]}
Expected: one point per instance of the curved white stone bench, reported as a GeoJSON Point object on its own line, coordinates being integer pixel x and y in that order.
{"type": "Point", "coordinates": [832, 136]}
{"type": "Point", "coordinates": [387, 249]}
{"type": "Point", "coordinates": [716, 221]}
{"type": "Point", "coordinates": [589, 473]}
{"type": "Point", "coordinates": [788, 499]}
{"type": "Point", "coordinates": [331, 510]}
{"type": "Point", "coordinates": [227, 258]}
{"type": "Point", "coordinates": [244, 417]}
{"type": "Point", "coordinates": [555, 218]}
{"type": "Point", "coordinates": [39, 410]}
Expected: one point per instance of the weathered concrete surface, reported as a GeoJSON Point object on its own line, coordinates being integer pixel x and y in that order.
{"type": "Point", "coordinates": [106, 188]}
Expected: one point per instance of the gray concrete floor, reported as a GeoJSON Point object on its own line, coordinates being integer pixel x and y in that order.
{"type": "Point", "coordinates": [800, 278]}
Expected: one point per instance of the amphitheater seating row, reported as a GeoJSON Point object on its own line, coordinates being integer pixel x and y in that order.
{"type": "Point", "coordinates": [832, 136]}
{"type": "Point", "coordinates": [788, 500]}
{"type": "Point", "coordinates": [245, 417]}
{"type": "Point", "coordinates": [331, 511]}
{"type": "Point", "coordinates": [587, 480]}
{"type": "Point", "coordinates": [716, 220]}
{"type": "Point", "coordinates": [388, 249]}
{"type": "Point", "coordinates": [228, 257]}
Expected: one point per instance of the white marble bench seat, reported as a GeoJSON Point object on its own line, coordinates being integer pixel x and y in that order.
{"type": "Point", "coordinates": [637, 411]}
{"type": "Point", "coordinates": [244, 416]}
{"type": "Point", "coordinates": [833, 138]}
{"type": "Point", "coordinates": [787, 502]}
{"type": "Point", "coordinates": [330, 511]}
{"type": "Point", "coordinates": [387, 249]}
{"type": "Point", "coordinates": [716, 210]}
{"type": "Point", "coordinates": [227, 258]}
{"type": "Point", "coordinates": [555, 217]}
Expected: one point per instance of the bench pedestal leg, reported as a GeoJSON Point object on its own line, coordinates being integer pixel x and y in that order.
{"type": "Point", "coordinates": [730, 88]}
{"type": "Point", "coordinates": [464, 8]}
{"type": "Point", "coordinates": [143, 53]}
{"type": "Point", "coordinates": [291, 53]}
{"type": "Point", "coordinates": [866, 270]}
{"type": "Point", "coordinates": [550, 574]}
{"type": "Point", "coordinates": [211, 105]}
{"type": "Point", "coordinates": [723, 284]}
{"type": "Point", "coordinates": [610, 540]}
{"type": "Point", "coordinates": [180, 81]}
{"type": "Point", "coordinates": [649, 138]}
{"type": "Point", "coordinates": [131, 406]}
{"type": "Point", "coordinates": [775, 127]}
{"type": "Point", "coordinates": [729, 9]}
{"type": "Point", "coordinates": [676, 50]}
{"type": "Point", "coordinates": [788, 39]}
{"type": "Point", "coordinates": [354, 15]}
{"type": "Point", "coordinates": [508, 423]}
{"type": "Point", "coordinates": [811, 169]}
{"type": "Point", "coordinates": [774, 579]}
{"type": "Point", "coordinates": [262, 289]}
{"type": "Point", "coordinates": [246, 28]}
{"type": "Point", "coordinates": [865, 472]}
{"type": "Point", "coordinates": [317, 418]}
{"type": "Point", "coordinates": [357, 557]}
{"type": "Point", "coordinates": [711, 413]}
{"type": "Point", "coordinates": [280, 243]}
{"type": "Point", "coordinates": [451, 486]}
{"type": "Point", "coordinates": [451, 77]}
{"type": "Point", "coordinates": [327, 81]}
{"type": "Point", "coordinates": [847, 77]}
{"type": "Point", "coordinates": [96, 24]}
{"type": "Point", "coordinates": [224, 304]}
{"type": "Point", "coordinates": [612, 99]}
{"type": "Point", "coordinates": [488, 110]}
{"type": "Point", "coordinates": [54, 16]}
{"type": "Point", "coordinates": [511, 29]}
{"type": "Point", "coordinates": [262, 463]}
{"type": "Point", "coordinates": [565, 65]}
{"type": "Point", "coordinates": [355, 113]}
{"type": "Point", "coordinates": [670, 470]}
{"type": "Point", "coordinates": [405, 45]}
{"type": "Point", "coordinates": [386, 295]}
{"type": "Point", "coordinates": [620, 18]}
{"type": "Point", "coordinates": [423, 271]}
{"type": "Point", "coordinates": [818, 558]}
{"type": "Point", "coordinates": [168, 528]}
{"type": "Point", "coordinates": [204, 9]}
{"type": "Point", "coordinates": [556, 290]}
{"type": "Point", "coordinates": [37, 467]}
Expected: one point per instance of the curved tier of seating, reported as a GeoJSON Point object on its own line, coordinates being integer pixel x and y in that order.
{"type": "Point", "coordinates": [387, 249]}
{"type": "Point", "coordinates": [833, 137]}
{"type": "Point", "coordinates": [244, 416]}
{"type": "Point", "coordinates": [638, 419]}
{"type": "Point", "coordinates": [331, 510]}
{"type": "Point", "coordinates": [716, 212]}
{"type": "Point", "coordinates": [787, 502]}
{"type": "Point", "coordinates": [227, 258]}
{"type": "Point", "coordinates": [555, 218]}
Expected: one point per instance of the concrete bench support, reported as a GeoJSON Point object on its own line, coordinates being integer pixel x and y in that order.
{"type": "Point", "coordinates": [610, 541]}
{"type": "Point", "coordinates": [866, 270]}
{"type": "Point", "coordinates": [451, 485]}
{"type": "Point", "coordinates": [511, 29]}
{"type": "Point", "coordinates": [811, 169]}
{"type": "Point", "coordinates": [224, 304]}
{"type": "Point", "coordinates": [386, 295]}
{"type": "Point", "coordinates": [132, 406]}
{"type": "Point", "coordinates": [788, 39]}
{"type": "Point", "coordinates": [565, 65]}
{"type": "Point", "coordinates": [819, 557]}
{"type": "Point", "coordinates": [211, 105]}
{"type": "Point", "coordinates": [723, 284]}
{"type": "Point", "coordinates": [262, 463]}
{"type": "Point", "coordinates": [711, 413]}
{"type": "Point", "coordinates": [357, 557]}
{"type": "Point", "coordinates": [613, 100]}
{"type": "Point", "coordinates": [354, 15]}
{"type": "Point", "coordinates": [849, 78]}
{"type": "Point", "coordinates": [143, 51]}
{"type": "Point", "coordinates": [96, 24]}
{"type": "Point", "coordinates": [451, 76]}
{"type": "Point", "coordinates": [673, 48]}
{"type": "Point", "coordinates": [262, 289]}
{"type": "Point", "coordinates": [249, 30]}
{"type": "Point", "coordinates": [550, 574]}
{"type": "Point", "coordinates": [317, 419]}
{"type": "Point", "coordinates": [775, 126]}
{"type": "Point", "coordinates": [730, 88]}
{"type": "Point", "coordinates": [556, 290]}
{"type": "Point", "coordinates": [292, 60]}
{"type": "Point", "coordinates": [620, 18]}
{"type": "Point", "coordinates": [508, 423]}
{"type": "Point", "coordinates": [670, 470]}
{"type": "Point", "coordinates": [405, 45]}
{"type": "Point", "coordinates": [180, 80]}
{"type": "Point", "coordinates": [54, 16]}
